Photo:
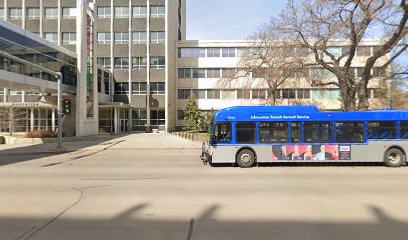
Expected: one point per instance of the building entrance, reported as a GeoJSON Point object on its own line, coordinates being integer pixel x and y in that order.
{"type": "Point", "coordinates": [124, 125]}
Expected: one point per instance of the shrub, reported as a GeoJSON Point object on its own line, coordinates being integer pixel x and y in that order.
{"type": "Point", "coordinates": [40, 134]}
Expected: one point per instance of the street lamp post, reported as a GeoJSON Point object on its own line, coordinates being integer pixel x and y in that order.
{"type": "Point", "coordinates": [59, 110]}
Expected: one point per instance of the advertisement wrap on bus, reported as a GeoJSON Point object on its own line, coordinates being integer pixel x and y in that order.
{"type": "Point", "coordinates": [246, 136]}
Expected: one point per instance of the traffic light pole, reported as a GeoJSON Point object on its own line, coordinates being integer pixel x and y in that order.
{"type": "Point", "coordinates": [59, 110]}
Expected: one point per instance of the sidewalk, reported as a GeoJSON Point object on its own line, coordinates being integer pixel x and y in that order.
{"type": "Point", "coordinates": [131, 141]}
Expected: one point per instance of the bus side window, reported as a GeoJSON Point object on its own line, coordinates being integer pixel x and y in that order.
{"type": "Point", "coordinates": [245, 132]}
{"type": "Point", "coordinates": [273, 132]}
{"type": "Point", "coordinates": [404, 129]}
{"type": "Point", "coordinates": [317, 132]}
{"type": "Point", "coordinates": [295, 132]}
{"type": "Point", "coordinates": [382, 130]}
{"type": "Point", "coordinates": [349, 132]}
{"type": "Point", "coordinates": [222, 132]}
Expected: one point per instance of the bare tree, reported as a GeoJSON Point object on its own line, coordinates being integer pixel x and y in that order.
{"type": "Point", "coordinates": [318, 25]}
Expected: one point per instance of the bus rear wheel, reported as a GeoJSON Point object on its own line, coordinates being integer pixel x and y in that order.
{"type": "Point", "coordinates": [394, 157]}
{"type": "Point", "coordinates": [246, 158]}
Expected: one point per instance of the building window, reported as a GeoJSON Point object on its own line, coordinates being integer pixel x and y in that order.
{"type": "Point", "coordinates": [198, 73]}
{"type": "Point", "coordinates": [157, 88]}
{"type": "Point", "coordinates": [228, 72]}
{"type": "Point", "coordinates": [213, 52]}
{"type": "Point", "coordinates": [180, 114]}
{"type": "Point", "coordinates": [157, 37]}
{"type": "Point", "coordinates": [379, 72]}
{"type": "Point", "coordinates": [106, 80]}
{"type": "Point", "coordinates": [228, 52]}
{"type": "Point", "coordinates": [243, 94]}
{"type": "Point", "coordinates": [51, 13]}
{"type": "Point", "coordinates": [139, 62]}
{"type": "Point", "coordinates": [303, 93]}
{"type": "Point", "coordinates": [157, 117]}
{"type": "Point", "coordinates": [104, 12]}
{"type": "Point", "coordinates": [104, 62]}
{"type": "Point", "coordinates": [184, 93]}
{"type": "Point", "coordinates": [121, 37]}
{"type": "Point", "coordinates": [15, 13]}
{"type": "Point", "coordinates": [69, 38]}
{"type": "Point", "coordinates": [363, 51]}
{"type": "Point", "coordinates": [289, 94]}
{"type": "Point", "coordinates": [139, 88]}
{"type": "Point", "coordinates": [2, 13]}
{"type": "Point", "coordinates": [184, 52]}
{"type": "Point", "coordinates": [213, 73]}
{"type": "Point", "coordinates": [184, 73]}
{"type": "Point", "coordinates": [139, 117]}
{"type": "Point", "coordinates": [229, 94]}
{"type": "Point", "coordinates": [157, 62]}
{"type": "Point", "coordinates": [33, 13]}
{"type": "Point", "coordinates": [69, 12]}
{"type": "Point", "coordinates": [104, 38]}
{"type": "Point", "coordinates": [198, 52]}
{"type": "Point", "coordinates": [327, 94]}
{"type": "Point", "coordinates": [213, 94]}
{"type": "Point", "coordinates": [51, 37]}
{"type": "Point", "coordinates": [139, 37]}
{"type": "Point", "coordinates": [139, 12]}
{"type": "Point", "coordinates": [121, 88]}
{"type": "Point", "coordinates": [259, 94]}
{"type": "Point", "coordinates": [121, 62]}
{"type": "Point", "coordinates": [157, 11]}
{"type": "Point", "coordinates": [121, 12]}
{"type": "Point", "coordinates": [199, 93]}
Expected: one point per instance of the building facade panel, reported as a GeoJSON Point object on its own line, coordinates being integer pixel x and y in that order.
{"type": "Point", "coordinates": [157, 24]}
{"type": "Point", "coordinates": [121, 50]}
{"type": "Point", "coordinates": [50, 3]}
{"type": "Point", "coordinates": [139, 25]}
{"type": "Point", "coordinates": [32, 25]}
{"type": "Point", "coordinates": [157, 50]}
{"type": "Point", "coordinates": [68, 25]}
{"type": "Point", "coordinates": [31, 3]}
{"type": "Point", "coordinates": [157, 75]}
{"type": "Point", "coordinates": [139, 75]}
{"type": "Point", "coordinates": [68, 3]}
{"type": "Point", "coordinates": [139, 101]}
{"type": "Point", "coordinates": [121, 25]}
{"type": "Point", "coordinates": [103, 25]}
{"type": "Point", "coordinates": [121, 76]}
{"type": "Point", "coordinates": [14, 3]}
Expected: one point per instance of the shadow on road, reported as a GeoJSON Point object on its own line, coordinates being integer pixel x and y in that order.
{"type": "Point", "coordinates": [135, 224]}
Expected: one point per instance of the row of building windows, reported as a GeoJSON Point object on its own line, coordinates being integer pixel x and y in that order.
{"type": "Point", "coordinates": [234, 94]}
{"type": "Point", "coordinates": [35, 13]}
{"type": "Point", "coordinates": [317, 73]}
{"type": "Point", "coordinates": [138, 88]}
{"type": "Point", "coordinates": [135, 12]}
{"type": "Point", "coordinates": [212, 52]}
{"type": "Point", "coordinates": [137, 62]}
{"type": "Point", "coordinates": [137, 37]}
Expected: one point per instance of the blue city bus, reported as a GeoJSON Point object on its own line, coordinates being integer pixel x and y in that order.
{"type": "Point", "coordinates": [249, 135]}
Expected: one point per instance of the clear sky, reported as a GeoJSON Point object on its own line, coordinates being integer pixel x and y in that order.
{"type": "Point", "coordinates": [228, 19]}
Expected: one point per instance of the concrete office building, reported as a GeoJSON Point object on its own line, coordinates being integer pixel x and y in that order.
{"type": "Point", "coordinates": [135, 39]}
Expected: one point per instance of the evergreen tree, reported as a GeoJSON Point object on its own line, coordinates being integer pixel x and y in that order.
{"type": "Point", "coordinates": [192, 116]}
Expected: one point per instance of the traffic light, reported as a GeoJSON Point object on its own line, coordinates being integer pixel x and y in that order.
{"type": "Point", "coordinates": [67, 107]}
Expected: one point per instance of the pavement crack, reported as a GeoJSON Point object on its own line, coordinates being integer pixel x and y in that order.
{"type": "Point", "coordinates": [190, 229]}
{"type": "Point", "coordinates": [121, 179]}
{"type": "Point", "coordinates": [24, 233]}
{"type": "Point", "coordinates": [81, 195]}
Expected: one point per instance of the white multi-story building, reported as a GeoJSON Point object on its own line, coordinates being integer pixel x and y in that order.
{"type": "Point", "coordinates": [205, 67]}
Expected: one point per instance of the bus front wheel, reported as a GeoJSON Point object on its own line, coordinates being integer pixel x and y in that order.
{"type": "Point", "coordinates": [246, 158]}
{"type": "Point", "coordinates": [394, 157]}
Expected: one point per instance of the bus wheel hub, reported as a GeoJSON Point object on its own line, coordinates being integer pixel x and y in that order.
{"type": "Point", "coordinates": [245, 158]}
{"type": "Point", "coordinates": [394, 158]}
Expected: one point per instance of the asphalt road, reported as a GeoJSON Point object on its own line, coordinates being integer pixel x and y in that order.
{"type": "Point", "coordinates": [123, 192]}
